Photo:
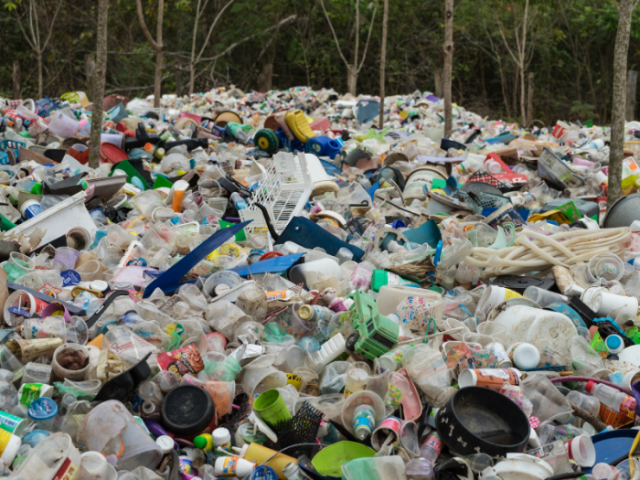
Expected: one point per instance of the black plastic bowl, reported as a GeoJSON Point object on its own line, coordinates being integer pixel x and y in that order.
{"type": "Point", "coordinates": [478, 419]}
{"type": "Point", "coordinates": [187, 410]}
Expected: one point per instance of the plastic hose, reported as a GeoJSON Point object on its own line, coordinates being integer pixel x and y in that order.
{"type": "Point", "coordinates": [589, 379]}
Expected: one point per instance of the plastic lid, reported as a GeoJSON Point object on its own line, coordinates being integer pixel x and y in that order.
{"type": "Point", "coordinates": [187, 410]}
{"type": "Point", "coordinates": [42, 409]}
{"type": "Point", "coordinates": [379, 279]}
{"type": "Point", "coordinates": [165, 442]}
{"type": "Point", "coordinates": [99, 285]}
{"type": "Point", "coordinates": [590, 386]}
{"type": "Point", "coordinates": [526, 356]}
{"type": "Point", "coordinates": [221, 436]}
{"type": "Point", "coordinates": [305, 312]}
{"type": "Point", "coordinates": [582, 451]}
{"type": "Point", "coordinates": [614, 343]}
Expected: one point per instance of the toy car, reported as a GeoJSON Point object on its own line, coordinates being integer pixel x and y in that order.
{"type": "Point", "coordinates": [374, 334]}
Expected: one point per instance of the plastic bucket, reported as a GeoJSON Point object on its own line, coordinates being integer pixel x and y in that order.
{"type": "Point", "coordinates": [420, 178]}
{"type": "Point", "coordinates": [271, 407]}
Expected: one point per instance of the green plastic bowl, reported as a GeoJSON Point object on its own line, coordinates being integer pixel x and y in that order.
{"type": "Point", "coordinates": [328, 461]}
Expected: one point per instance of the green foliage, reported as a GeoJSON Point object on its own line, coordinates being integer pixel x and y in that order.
{"type": "Point", "coordinates": [571, 58]}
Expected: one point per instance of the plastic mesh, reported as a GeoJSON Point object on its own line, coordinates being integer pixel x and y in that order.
{"type": "Point", "coordinates": [302, 428]}
{"type": "Point", "coordinates": [486, 178]}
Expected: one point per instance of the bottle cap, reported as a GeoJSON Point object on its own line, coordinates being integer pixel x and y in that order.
{"type": "Point", "coordinates": [199, 442]}
{"type": "Point", "coordinates": [614, 343]}
{"type": "Point", "coordinates": [165, 442]}
{"type": "Point", "coordinates": [590, 386]}
{"type": "Point", "coordinates": [221, 436]}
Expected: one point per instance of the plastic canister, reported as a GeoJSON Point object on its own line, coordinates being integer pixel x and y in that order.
{"type": "Point", "coordinates": [604, 303]}
{"type": "Point", "coordinates": [222, 440]}
{"type": "Point", "coordinates": [258, 454]}
{"type": "Point", "coordinates": [9, 445]}
{"type": "Point", "coordinates": [28, 392]}
{"type": "Point", "coordinates": [12, 424]}
{"type": "Point", "coordinates": [493, 378]}
{"type": "Point", "coordinates": [30, 209]}
{"type": "Point", "coordinates": [43, 411]}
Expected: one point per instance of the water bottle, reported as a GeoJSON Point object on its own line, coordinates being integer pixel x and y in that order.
{"type": "Point", "coordinates": [431, 447]}
{"type": "Point", "coordinates": [238, 201]}
{"type": "Point", "coordinates": [364, 418]}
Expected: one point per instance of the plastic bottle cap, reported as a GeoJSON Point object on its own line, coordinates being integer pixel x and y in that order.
{"type": "Point", "coordinates": [165, 442]}
{"type": "Point", "coordinates": [590, 386]}
{"type": "Point", "coordinates": [614, 343]}
{"type": "Point", "coordinates": [99, 285]}
{"type": "Point", "coordinates": [582, 451]}
{"type": "Point", "coordinates": [221, 436]}
{"type": "Point", "coordinates": [526, 356]}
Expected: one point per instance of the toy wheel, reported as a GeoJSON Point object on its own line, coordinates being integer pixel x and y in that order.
{"type": "Point", "coordinates": [267, 140]}
{"type": "Point", "coordinates": [351, 341]}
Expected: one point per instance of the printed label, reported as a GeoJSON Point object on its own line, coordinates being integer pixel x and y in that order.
{"type": "Point", "coordinates": [30, 391]}
{"type": "Point", "coordinates": [9, 422]}
{"type": "Point", "coordinates": [434, 442]}
{"type": "Point", "coordinates": [67, 470]}
{"type": "Point", "coordinates": [230, 466]}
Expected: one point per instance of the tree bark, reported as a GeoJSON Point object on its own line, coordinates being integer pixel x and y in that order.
{"type": "Point", "coordinates": [352, 79]}
{"type": "Point", "coordinates": [98, 93]}
{"type": "Point", "coordinates": [448, 65]}
{"type": "Point", "coordinates": [17, 90]}
{"type": "Point", "coordinates": [632, 84]}
{"type": "Point", "coordinates": [178, 80]}
{"type": "Point", "coordinates": [383, 61]}
{"type": "Point", "coordinates": [523, 99]}
{"type": "Point", "coordinates": [437, 78]}
{"type": "Point", "coordinates": [90, 72]}
{"type": "Point", "coordinates": [39, 61]}
{"type": "Point", "coordinates": [157, 90]}
{"type": "Point", "coordinates": [265, 81]}
{"type": "Point", "coordinates": [618, 106]}
{"type": "Point", "coordinates": [530, 100]}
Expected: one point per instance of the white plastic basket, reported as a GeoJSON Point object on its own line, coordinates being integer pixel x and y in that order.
{"type": "Point", "coordinates": [284, 191]}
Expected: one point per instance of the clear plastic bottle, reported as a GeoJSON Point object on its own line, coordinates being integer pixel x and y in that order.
{"type": "Point", "coordinates": [364, 419]}
{"type": "Point", "coordinates": [356, 380]}
{"type": "Point", "coordinates": [612, 398]}
{"type": "Point", "coordinates": [431, 447]}
{"type": "Point", "coordinates": [544, 297]}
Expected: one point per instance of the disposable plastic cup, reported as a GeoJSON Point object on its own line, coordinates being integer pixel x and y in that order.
{"type": "Point", "coordinates": [271, 407]}
{"type": "Point", "coordinates": [94, 466]}
{"type": "Point", "coordinates": [17, 265]}
{"type": "Point", "coordinates": [65, 258]}
{"type": "Point", "coordinates": [90, 271]}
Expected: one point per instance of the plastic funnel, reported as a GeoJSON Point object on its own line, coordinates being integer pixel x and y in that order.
{"type": "Point", "coordinates": [271, 407]}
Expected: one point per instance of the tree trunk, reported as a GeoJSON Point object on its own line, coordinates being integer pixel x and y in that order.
{"type": "Point", "coordinates": [530, 100]}
{"type": "Point", "coordinates": [620, 53]}
{"type": "Point", "coordinates": [632, 84]}
{"type": "Point", "coordinates": [17, 91]}
{"type": "Point", "coordinates": [448, 65]}
{"type": "Point", "coordinates": [352, 79]}
{"type": "Point", "coordinates": [383, 61]}
{"type": "Point", "coordinates": [178, 80]}
{"type": "Point", "coordinates": [437, 78]}
{"type": "Point", "coordinates": [39, 61]}
{"type": "Point", "coordinates": [192, 77]}
{"type": "Point", "coordinates": [90, 72]}
{"type": "Point", "coordinates": [157, 90]}
{"type": "Point", "coordinates": [265, 80]}
{"type": "Point", "coordinates": [98, 93]}
{"type": "Point", "coordinates": [523, 99]}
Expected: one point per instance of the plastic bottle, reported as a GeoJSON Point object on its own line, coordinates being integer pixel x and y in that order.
{"type": "Point", "coordinates": [493, 167]}
{"type": "Point", "coordinates": [364, 419]}
{"type": "Point", "coordinates": [11, 445]}
{"type": "Point", "coordinates": [292, 472]}
{"type": "Point", "coordinates": [381, 278]}
{"type": "Point", "coordinates": [431, 447]}
{"type": "Point", "coordinates": [586, 402]}
{"type": "Point", "coordinates": [222, 441]}
{"type": "Point", "coordinates": [148, 147]}
{"type": "Point", "coordinates": [238, 201]}
{"type": "Point", "coordinates": [612, 398]}
{"type": "Point", "coordinates": [614, 344]}
{"type": "Point", "coordinates": [392, 360]}
{"type": "Point", "coordinates": [544, 297]}
{"type": "Point", "coordinates": [204, 442]}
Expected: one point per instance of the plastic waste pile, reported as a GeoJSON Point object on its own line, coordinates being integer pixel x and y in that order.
{"type": "Point", "coordinates": [263, 286]}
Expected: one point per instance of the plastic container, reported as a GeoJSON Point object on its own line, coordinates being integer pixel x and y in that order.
{"type": "Point", "coordinates": [392, 360]}
{"type": "Point", "coordinates": [93, 466]}
{"type": "Point", "coordinates": [525, 356]}
{"type": "Point", "coordinates": [13, 424]}
{"type": "Point", "coordinates": [543, 297]}
{"type": "Point", "coordinates": [233, 467]}
{"type": "Point", "coordinates": [187, 410]}
{"type": "Point", "coordinates": [605, 303]}
{"type": "Point", "coordinates": [271, 407]}
{"type": "Point", "coordinates": [586, 402]}
{"type": "Point", "coordinates": [581, 451]}
{"type": "Point", "coordinates": [30, 209]}
{"type": "Point", "coordinates": [54, 457]}
{"type": "Point", "coordinates": [614, 344]}
{"type": "Point", "coordinates": [493, 378]}
{"type": "Point", "coordinates": [259, 454]}
{"type": "Point", "coordinates": [492, 297]}
{"type": "Point", "coordinates": [222, 440]}
{"type": "Point", "coordinates": [71, 362]}
{"type": "Point", "coordinates": [431, 447]}
{"type": "Point", "coordinates": [42, 412]}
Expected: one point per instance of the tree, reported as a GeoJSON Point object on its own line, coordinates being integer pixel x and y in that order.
{"type": "Point", "coordinates": [383, 59]}
{"type": "Point", "coordinates": [157, 45]}
{"type": "Point", "coordinates": [448, 64]}
{"type": "Point", "coordinates": [523, 54]}
{"type": "Point", "coordinates": [625, 12]}
{"type": "Point", "coordinates": [98, 84]}
{"type": "Point", "coordinates": [353, 69]}
{"type": "Point", "coordinates": [36, 9]}
{"type": "Point", "coordinates": [195, 59]}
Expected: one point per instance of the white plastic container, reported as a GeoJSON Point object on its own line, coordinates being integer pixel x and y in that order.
{"type": "Point", "coordinates": [54, 457]}
{"type": "Point", "coordinates": [330, 350]}
{"type": "Point", "coordinates": [492, 297]}
{"type": "Point", "coordinates": [233, 467]}
{"type": "Point", "coordinates": [526, 356]}
{"type": "Point", "coordinates": [9, 445]}
{"type": "Point", "coordinates": [528, 324]}
{"type": "Point", "coordinates": [390, 296]}
{"type": "Point", "coordinates": [604, 303]}
{"type": "Point", "coordinates": [59, 219]}
{"type": "Point", "coordinates": [306, 272]}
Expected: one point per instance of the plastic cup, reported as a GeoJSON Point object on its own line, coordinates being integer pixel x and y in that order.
{"type": "Point", "coordinates": [43, 412]}
{"type": "Point", "coordinates": [271, 407]}
{"type": "Point", "coordinates": [65, 258]}
{"type": "Point", "coordinates": [89, 271]}
{"type": "Point", "coordinates": [17, 265]}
